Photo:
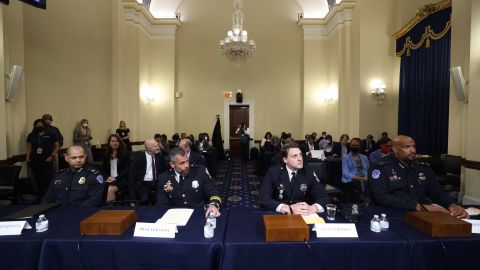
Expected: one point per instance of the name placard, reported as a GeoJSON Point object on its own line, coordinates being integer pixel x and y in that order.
{"type": "Point", "coordinates": [12, 227]}
{"type": "Point", "coordinates": [336, 230]}
{"type": "Point", "coordinates": [158, 230]}
{"type": "Point", "coordinates": [475, 225]}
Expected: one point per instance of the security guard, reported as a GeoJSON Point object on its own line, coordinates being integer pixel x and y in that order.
{"type": "Point", "coordinates": [187, 186]}
{"type": "Point", "coordinates": [291, 188]}
{"type": "Point", "coordinates": [76, 185]}
{"type": "Point", "coordinates": [399, 181]}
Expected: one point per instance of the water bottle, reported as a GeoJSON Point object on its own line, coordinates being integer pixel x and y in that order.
{"type": "Point", "coordinates": [212, 220]}
{"type": "Point", "coordinates": [208, 230]}
{"type": "Point", "coordinates": [354, 209]}
{"type": "Point", "coordinates": [42, 224]}
{"type": "Point", "coordinates": [375, 224]}
{"type": "Point", "coordinates": [384, 224]}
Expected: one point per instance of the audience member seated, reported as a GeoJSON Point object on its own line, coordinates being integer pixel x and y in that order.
{"type": "Point", "coordinates": [124, 133]}
{"type": "Point", "coordinates": [193, 158]}
{"type": "Point", "coordinates": [400, 181]}
{"type": "Point", "coordinates": [78, 184]}
{"type": "Point", "coordinates": [164, 148]}
{"type": "Point", "coordinates": [42, 146]}
{"type": "Point", "coordinates": [369, 145]}
{"type": "Point", "coordinates": [292, 188]}
{"type": "Point", "coordinates": [187, 185]}
{"type": "Point", "coordinates": [145, 168]}
{"type": "Point", "coordinates": [326, 143]}
{"type": "Point", "coordinates": [115, 168]}
{"type": "Point", "coordinates": [174, 142]}
{"type": "Point", "coordinates": [385, 149]}
{"type": "Point", "coordinates": [383, 135]}
{"type": "Point", "coordinates": [309, 145]}
{"type": "Point", "coordinates": [82, 136]}
{"type": "Point", "coordinates": [342, 148]}
{"type": "Point", "coordinates": [355, 168]}
{"type": "Point", "coordinates": [203, 143]}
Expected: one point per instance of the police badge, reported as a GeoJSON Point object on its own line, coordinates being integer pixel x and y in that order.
{"type": "Point", "coordinates": [195, 184]}
{"type": "Point", "coordinates": [422, 177]}
{"type": "Point", "coordinates": [82, 180]}
{"type": "Point", "coordinates": [303, 187]}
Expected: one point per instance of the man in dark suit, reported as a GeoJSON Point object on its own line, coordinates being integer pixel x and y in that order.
{"type": "Point", "coordinates": [145, 168]}
{"type": "Point", "coordinates": [193, 158]}
{"type": "Point", "coordinates": [369, 145]}
{"type": "Point", "coordinates": [187, 185]}
{"type": "Point", "coordinates": [309, 145]}
{"type": "Point", "coordinates": [292, 188]}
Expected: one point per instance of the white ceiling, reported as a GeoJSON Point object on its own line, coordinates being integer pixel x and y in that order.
{"type": "Point", "coordinates": [168, 8]}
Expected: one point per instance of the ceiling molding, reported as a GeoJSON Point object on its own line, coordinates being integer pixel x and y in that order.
{"type": "Point", "coordinates": [321, 29]}
{"type": "Point", "coordinates": [138, 16]}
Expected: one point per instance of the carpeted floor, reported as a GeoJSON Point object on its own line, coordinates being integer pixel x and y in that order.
{"type": "Point", "coordinates": [237, 183]}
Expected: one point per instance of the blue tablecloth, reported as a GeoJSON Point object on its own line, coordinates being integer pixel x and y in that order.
{"type": "Point", "coordinates": [189, 250]}
{"type": "Point", "coordinates": [402, 247]}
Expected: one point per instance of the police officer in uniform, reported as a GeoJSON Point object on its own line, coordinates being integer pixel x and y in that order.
{"type": "Point", "coordinates": [186, 185]}
{"type": "Point", "coordinates": [292, 188]}
{"type": "Point", "coordinates": [76, 185]}
{"type": "Point", "coordinates": [399, 181]}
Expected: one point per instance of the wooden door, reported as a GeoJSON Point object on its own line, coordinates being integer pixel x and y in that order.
{"type": "Point", "coordinates": [238, 115]}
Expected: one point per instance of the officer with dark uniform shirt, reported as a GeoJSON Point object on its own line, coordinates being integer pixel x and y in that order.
{"type": "Point", "coordinates": [76, 185]}
{"type": "Point", "coordinates": [292, 188]}
{"type": "Point", "coordinates": [399, 181]}
{"type": "Point", "coordinates": [186, 185]}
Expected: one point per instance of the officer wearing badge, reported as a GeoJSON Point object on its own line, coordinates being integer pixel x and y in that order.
{"type": "Point", "coordinates": [292, 188]}
{"type": "Point", "coordinates": [186, 185]}
{"type": "Point", "coordinates": [78, 184]}
{"type": "Point", "coordinates": [399, 181]}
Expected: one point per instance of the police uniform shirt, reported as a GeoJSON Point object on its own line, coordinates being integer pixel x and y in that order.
{"type": "Point", "coordinates": [277, 188]}
{"type": "Point", "coordinates": [399, 185]}
{"type": "Point", "coordinates": [82, 187]}
{"type": "Point", "coordinates": [195, 190]}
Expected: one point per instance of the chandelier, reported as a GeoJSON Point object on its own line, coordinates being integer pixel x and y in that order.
{"type": "Point", "coordinates": [236, 47]}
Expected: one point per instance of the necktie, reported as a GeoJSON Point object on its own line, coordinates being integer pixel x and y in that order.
{"type": "Point", "coordinates": [293, 177]}
{"type": "Point", "coordinates": [154, 171]}
{"type": "Point", "coordinates": [180, 179]}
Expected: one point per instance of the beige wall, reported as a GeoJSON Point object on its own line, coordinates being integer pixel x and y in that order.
{"type": "Point", "coordinates": [273, 78]}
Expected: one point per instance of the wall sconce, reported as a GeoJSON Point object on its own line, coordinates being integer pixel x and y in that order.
{"type": "Point", "coordinates": [378, 94]}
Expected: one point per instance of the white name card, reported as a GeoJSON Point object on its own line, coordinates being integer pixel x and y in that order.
{"type": "Point", "coordinates": [336, 230]}
{"type": "Point", "coordinates": [475, 225]}
{"type": "Point", "coordinates": [12, 227]}
{"type": "Point", "coordinates": [158, 230]}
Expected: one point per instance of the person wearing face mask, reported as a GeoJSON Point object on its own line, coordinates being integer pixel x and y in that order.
{"type": "Point", "coordinates": [355, 167]}
{"type": "Point", "coordinates": [42, 146]}
{"type": "Point", "coordinates": [385, 149]}
{"type": "Point", "coordinates": [47, 122]}
{"type": "Point", "coordinates": [326, 144]}
{"type": "Point", "coordinates": [82, 136]}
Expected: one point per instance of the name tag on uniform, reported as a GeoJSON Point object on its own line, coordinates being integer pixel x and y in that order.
{"type": "Point", "coordinates": [158, 230]}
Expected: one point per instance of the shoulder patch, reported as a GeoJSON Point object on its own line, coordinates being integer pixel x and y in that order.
{"type": "Point", "coordinates": [99, 179]}
{"type": "Point", "coordinates": [375, 174]}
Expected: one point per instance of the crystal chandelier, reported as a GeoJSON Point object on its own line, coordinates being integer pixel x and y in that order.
{"type": "Point", "coordinates": [236, 47]}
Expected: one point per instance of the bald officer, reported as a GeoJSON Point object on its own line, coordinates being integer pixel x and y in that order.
{"type": "Point", "coordinates": [292, 188]}
{"type": "Point", "coordinates": [76, 185]}
{"type": "Point", "coordinates": [186, 185]}
{"type": "Point", "coordinates": [399, 181]}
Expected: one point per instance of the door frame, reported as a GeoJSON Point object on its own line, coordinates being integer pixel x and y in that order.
{"type": "Point", "coordinates": [226, 119]}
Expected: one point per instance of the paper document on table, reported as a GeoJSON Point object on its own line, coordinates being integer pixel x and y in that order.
{"type": "Point", "coordinates": [473, 211]}
{"type": "Point", "coordinates": [177, 216]}
{"type": "Point", "coordinates": [475, 225]}
{"type": "Point", "coordinates": [318, 154]}
{"type": "Point", "coordinates": [313, 219]}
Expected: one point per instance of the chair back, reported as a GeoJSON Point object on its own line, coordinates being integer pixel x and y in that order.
{"type": "Point", "coordinates": [9, 174]}
{"type": "Point", "coordinates": [451, 164]}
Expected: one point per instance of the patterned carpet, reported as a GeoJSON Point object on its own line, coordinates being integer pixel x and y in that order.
{"type": "Point", "coordinates": [237, 183]}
